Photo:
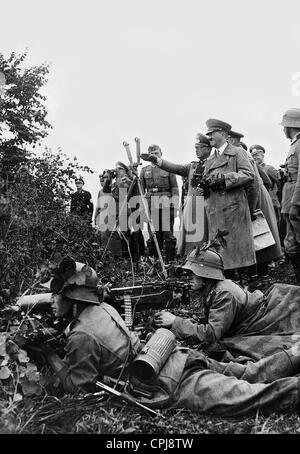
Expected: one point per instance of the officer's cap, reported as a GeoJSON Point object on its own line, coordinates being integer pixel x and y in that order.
{"type": "Point", "coordinates": [254, 148]}
{"type": "Point", "coordinates": [236, 135]}
{"type": "Point", "coordinates": [154, 148]}
{"type": "Point", "coordinates": [217, 125]}
{"type": "Point", "coordinates": [201, 138]}
{"type": "Point", "coordinates": [121, 165]}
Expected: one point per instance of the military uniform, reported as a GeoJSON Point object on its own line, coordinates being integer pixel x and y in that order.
{"type": "Point", "coordinates": [97, 341]}
{"type": "Point", "coordinates": [265, 323]}
{"type": "Point", "coordinates": [157, 182]}
{"type": "Point", "coordinates": [261, 199]}
{"type": "Point", "coordinates": [291, 196]}
{"type": "Point", "coordinates": [228, 209]}
{"type": "Point", "coordinates": [270, 179]}
{"type": "Point", "coordinates": [272, 174]}
{"type": "Point", "coordinates": [99, 344]}
{"type": "Point", "coordinates": [193, 227]}
{"type": "Point", "coordinates": [81, 204]}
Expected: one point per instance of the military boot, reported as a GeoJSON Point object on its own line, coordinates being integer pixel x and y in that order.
{"type": "Point", "coordinates": [151, 249]}
{"type": "Point", "coordinates": [295, 261]}
{"type": "Point", "coordinates": [170, 251]}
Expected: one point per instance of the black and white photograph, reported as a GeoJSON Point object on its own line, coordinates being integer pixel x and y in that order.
{"type": "Point", "coordinates": [150, 220]}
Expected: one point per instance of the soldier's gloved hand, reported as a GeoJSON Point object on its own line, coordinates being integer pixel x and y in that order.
{"type": "Point", "coordinates": [164, 319]}
{"type": "Point", "coordinates": [150, 158]}
{"type": "Point", "coordinates": [218, 183]}
{"type": "Point", "coordinates": [294, 213]}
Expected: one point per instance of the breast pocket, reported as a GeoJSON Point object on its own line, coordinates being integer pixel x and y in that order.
{"type": "Point", "coordinates": [148, 179]}
{"type": "Point", "coordinates": [163, 181]}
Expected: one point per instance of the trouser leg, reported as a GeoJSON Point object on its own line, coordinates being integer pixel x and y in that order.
{"type": "Point", "coordinates": [151, 248]}
{"type": "Point", "coordinates": [166, 228]}
{"type": "Point", "coordinates": [141, 242]}
{"type": "Point", "coordinates": [233, 389]}
{"type": "Point", "coordinates": [279, 365]}
{"type": "Point", "coordinates": [170, 247]}
{"type": "Point", "coordinates": [292, 244]}
{"type": "Point", "coordinates": [209, 391]}
{"type": "Point", "coordinates": [295, 261]}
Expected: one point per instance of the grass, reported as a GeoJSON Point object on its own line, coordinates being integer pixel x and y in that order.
{"type": "Point", "coordinates": [75, 415]}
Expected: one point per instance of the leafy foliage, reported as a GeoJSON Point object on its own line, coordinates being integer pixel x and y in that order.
{"type": "Point", "coordinates": [36, 225]}
{"type": "Point", "coordinates": [18, 376]}
{"type": "Point", "coordinates": [22, 111]}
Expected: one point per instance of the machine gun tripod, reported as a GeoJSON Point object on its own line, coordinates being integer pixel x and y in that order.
{"type": "Point", "coordinates": [136, 181]}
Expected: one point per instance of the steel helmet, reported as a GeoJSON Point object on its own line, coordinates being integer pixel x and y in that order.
{"type": "Point", "coordinates": [207, 263]}
{"type": "Point", "coordinates": [291, 118]}
{"type": "Point", "coordinates": [81, 294]}
{"type": "Point", "coordinates": [75, 280]}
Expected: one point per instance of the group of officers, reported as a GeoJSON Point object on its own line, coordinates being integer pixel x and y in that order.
{"type": "Point", "coordinates": [222, 190]}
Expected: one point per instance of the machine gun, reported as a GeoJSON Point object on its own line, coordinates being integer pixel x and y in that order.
{"type": "Point", "coordinates": [154, 295]}
{"type": "Point", "coordinates": [126, 300]}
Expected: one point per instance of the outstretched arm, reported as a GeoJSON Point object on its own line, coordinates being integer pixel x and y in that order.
{"type": "Point", "coordinates": [178, 169]}
{"type": "Point", "coordinates": [221, 316]}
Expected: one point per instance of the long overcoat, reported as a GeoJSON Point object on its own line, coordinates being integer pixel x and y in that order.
{"type": "Point", "coordinates": [229, 210]}
{"type": "Point", "coordinates": [265, 204]}
{"type": "Point", "coordinates": [193, 226]}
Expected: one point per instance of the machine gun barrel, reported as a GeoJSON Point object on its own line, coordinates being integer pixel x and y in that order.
{"type": "Point", "coordinates": [39, 303]}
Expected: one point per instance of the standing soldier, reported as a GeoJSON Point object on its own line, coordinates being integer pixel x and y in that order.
{"type": "Point", "coordinates": [193, 228]}
{"type": "Point", "coordinates": [81, 201]}
{"type": "Point", "coordinates": [291, 190]}
{"type": "Point", "coordinates": [258, 154]}
{"type": "Point", "coordinates": [230, 173]}
{"type": "Point", "coordinates": [156, 184]}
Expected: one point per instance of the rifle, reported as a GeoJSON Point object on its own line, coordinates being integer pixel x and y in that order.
{"type": "Point", "coordinates": [126, 397]}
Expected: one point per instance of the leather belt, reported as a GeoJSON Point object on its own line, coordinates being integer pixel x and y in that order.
{"type": "Point", "coordinates": [151, 192]}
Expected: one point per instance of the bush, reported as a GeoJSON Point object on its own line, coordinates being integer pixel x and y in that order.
{"type": "Point", "coordinates": [35, 225]}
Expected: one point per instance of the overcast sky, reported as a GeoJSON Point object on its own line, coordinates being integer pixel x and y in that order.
{"type": "Point", "coordinates": [158, 70]}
